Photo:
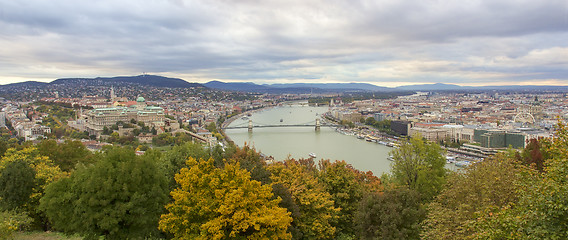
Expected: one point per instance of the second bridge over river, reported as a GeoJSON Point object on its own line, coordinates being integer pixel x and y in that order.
{"type": "Point", "coordinates": [316, 124]}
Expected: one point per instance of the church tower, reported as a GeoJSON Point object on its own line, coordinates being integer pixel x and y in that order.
{"type": "Point", "coordinates": [112, 94]}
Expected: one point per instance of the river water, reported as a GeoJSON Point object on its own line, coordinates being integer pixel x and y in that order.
{"type": "Point", "coordinates": [299, 142]}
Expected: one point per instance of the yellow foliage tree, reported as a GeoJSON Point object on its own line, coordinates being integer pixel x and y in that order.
{"type": "Point", "coordinates": [318, 213]}
{"type": "Point", "coordinates": [223, 203]}
{"type": "Point", "coordinates": [45, 170]}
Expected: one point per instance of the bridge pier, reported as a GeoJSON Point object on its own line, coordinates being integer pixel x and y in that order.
{"type": "Point", "coordinates": [318, 124]}
{"type": "Point", "coordinates": [250, 125]}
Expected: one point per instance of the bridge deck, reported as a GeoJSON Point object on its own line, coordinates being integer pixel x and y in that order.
{"type": "Point", "coordinates": [288, 125]}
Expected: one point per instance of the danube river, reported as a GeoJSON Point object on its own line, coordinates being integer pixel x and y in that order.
{"type": "Point", "coordinates": [299, 142]}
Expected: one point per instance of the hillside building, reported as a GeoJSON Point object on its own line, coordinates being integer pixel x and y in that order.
{"type": "Point", "coordinates": [99, 118]}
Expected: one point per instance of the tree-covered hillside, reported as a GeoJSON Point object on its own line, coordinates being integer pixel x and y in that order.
{"type": "Point", "coordinates": [197, 192]}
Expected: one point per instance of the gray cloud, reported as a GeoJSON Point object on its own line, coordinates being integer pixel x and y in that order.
{"type": "Point", "coordinates": [383, 42]}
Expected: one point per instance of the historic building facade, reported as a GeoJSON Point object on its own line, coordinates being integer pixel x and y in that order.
{"type": "Point", "coordinates": [99, 118]}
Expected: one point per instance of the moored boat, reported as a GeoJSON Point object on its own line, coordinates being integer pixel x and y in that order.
{"type": "Point", "coordinates": [463, 163]}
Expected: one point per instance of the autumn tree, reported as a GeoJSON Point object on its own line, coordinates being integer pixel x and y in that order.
{"type": "Point", "coordinates": [44, 172]}
{"type": "Point", "coordinates": [12, 221]}
{"type": "Point", "coordinates": [420, 166]}
{"type": "Point", "coordinates": [121, 196]}
{"type": "Point", "coordinates": [318, 214]}
{"type": "Point", "coordinates": [223, 203]}
{"type": "Point", "coordinates": [175, 159]}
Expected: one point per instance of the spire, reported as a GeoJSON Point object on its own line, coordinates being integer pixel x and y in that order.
{"type": "Point", "coordinates": [112, 95]}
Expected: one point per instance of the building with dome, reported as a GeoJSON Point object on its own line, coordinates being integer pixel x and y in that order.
{"type": "Point", "coordinates": [99, 118]}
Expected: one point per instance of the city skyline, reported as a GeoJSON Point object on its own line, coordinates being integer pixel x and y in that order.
{"type": "Point", "coordinates": [385, 43]}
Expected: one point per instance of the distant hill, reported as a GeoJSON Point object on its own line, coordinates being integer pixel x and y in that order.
{"type": "Point", "coordinates": [451, 87]}
{"type": "Point", "coordinates": [365, 87]}
{"type": "Point", "coordinates": [300, 88]}
{"type": "Point", "coordinates": [432, 87]}
{"type": "Point", "coordinates": [524, 88]}
{"type": "Point", "coordinates": [149, 80]}
{"type": "Point", "coordinates": [26, 84]}
{"type": "Point", "coordinates": [344, 86]}
{"type": "Point", "coordinates": [238, 86]}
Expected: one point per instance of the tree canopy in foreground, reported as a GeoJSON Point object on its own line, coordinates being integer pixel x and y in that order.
{"type": "Point", "coordinates": [223, 203]}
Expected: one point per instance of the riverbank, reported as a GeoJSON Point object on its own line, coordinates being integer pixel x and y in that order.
{"type": "Point", "coordinates": [230, 120]}
{"type": "Point", "coordinates": [299, 140]}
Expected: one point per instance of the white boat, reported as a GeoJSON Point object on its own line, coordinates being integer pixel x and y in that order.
{"type": "Point", "coordinates": [463, 163]}
{"type": "Point", "coordinates": [450, 159]}
{"type": "Point", "coordinates": [312, 155]}
{"type": "Point", "coordinates": [390, 158]}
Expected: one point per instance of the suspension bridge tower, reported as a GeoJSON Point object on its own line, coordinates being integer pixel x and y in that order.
{"type": "Point", "coordinates": [250, 125]}
{"type": "Point", "coordinates": [318, 124]}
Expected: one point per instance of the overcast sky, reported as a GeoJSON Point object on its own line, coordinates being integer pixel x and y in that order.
{"type": "Point", "coordinates": [383, 42]}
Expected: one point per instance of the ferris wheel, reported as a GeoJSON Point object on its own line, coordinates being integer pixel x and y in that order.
{"type": "Point", "coordinates": [524, 117]}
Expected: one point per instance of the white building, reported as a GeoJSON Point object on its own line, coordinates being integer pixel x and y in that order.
{"type": "Point", "coordinates": [99, 118]}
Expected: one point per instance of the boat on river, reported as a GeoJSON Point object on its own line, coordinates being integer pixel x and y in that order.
{"type": "Point", "coordinates": [312, 155]}
{"type": "Point", "coordinates": [463, 163]}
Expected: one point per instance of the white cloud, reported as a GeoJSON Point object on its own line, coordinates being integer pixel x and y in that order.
{"type": "Point", "coordinates": [479, 41]}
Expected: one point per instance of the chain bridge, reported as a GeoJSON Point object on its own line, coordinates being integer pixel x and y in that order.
{"type": "Point", "coordinates": [317, 123]}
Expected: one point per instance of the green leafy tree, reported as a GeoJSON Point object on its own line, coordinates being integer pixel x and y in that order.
{"type": "Point", "coordinates": [174, 160]}
{"type": "Point", "coordinates": [317, 212]}
{"type": "Point", "coordinates": [163, 139]}
{"type": "Point", "coordinates": [17, 183]}
{"type": "Point", "coordinates": [280, 191]}
{"type": "Point", "coordinates": [483, 188]}
{"type": "Point", "coordinates": [370, 121]}
{"type": "Point", "coordinates": [212, 127]}
{"type": "Point", "coordinates": [121, 196]}
{"type": "Point", "coordinates": [223, 203]}
{"type": "Point", "coordinates": [340, 180]}
{"type": "Point", "coordinates": [66, 155]}
{"type": "Point", "coordinates": [420, 166]}
{"type": "Point", "coordinates": [541, 211]}
{"type": "Point", "coordinates": [393, 214]}
{"type": "Point", "coordinates": [543, 206]}
{"type": "Point", "coordinates": [181, 138]}
{"type": "Point", "coordinates": [45, 172]}
{"type": "Point", "coordinates": [106, 130]}
{"type": "Point", "coordinates": [251, 160]}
